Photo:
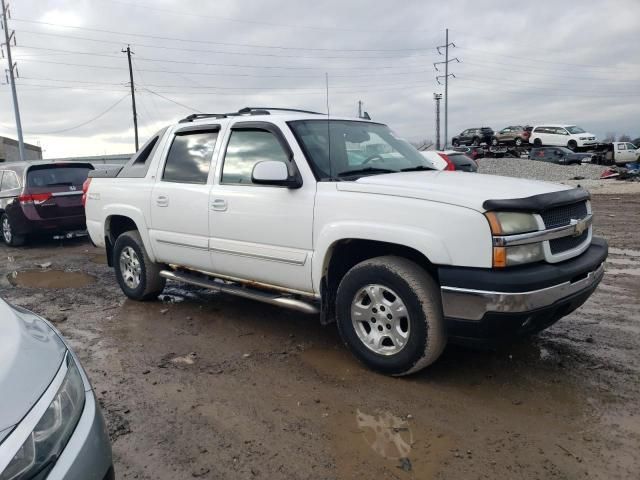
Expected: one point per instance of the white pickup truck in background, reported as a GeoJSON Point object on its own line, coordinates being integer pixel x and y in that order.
{"type": "Point", "coordinates": [341, 218]}
{"type": "Point", "coordinates": [622, 153]}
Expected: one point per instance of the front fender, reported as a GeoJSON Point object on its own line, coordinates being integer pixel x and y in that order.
{"type": "Point", "coordinates": [425, 242]}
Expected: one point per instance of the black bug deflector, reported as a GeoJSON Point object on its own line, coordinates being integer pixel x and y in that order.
{"type": "Point", "coordinates": [539, 203]}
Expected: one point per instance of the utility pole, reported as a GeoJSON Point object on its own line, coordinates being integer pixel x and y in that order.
{"type": "Point", "coordinates": [12, 80]}
{"type": "Point", "coordinates": [446, 80]}
{"type": "Point", "coordinates": [359, 108]}
{"type": "Point", "coordinates": [437, 97]}
{"type": "Point", "coordinates": [133, 94]}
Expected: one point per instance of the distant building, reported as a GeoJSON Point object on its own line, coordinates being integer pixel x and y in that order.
{"type": "Point", "coordinates": [9, 151]}
{"type": "Point", "coordinates": [95, 160]}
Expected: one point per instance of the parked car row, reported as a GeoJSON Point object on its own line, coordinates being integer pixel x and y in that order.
{"type": "Point", "coordinates": [570, 136]}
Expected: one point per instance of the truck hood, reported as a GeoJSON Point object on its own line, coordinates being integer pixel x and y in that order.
{"type": "Point", "coordinates": [463, 189]}
{"type": "Point", "coordinates": [30, 356]}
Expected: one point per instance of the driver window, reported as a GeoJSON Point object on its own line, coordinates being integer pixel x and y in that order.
{"type": "Point", "coordinates": [245, 149]}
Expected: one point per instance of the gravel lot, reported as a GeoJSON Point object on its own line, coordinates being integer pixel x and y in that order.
{"type": "Point", "coordinates": [525, 168]}
{"type": "Point", "coordinates": [204, 385]}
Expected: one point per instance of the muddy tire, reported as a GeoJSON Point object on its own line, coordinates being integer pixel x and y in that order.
{"type": "Point", "coordinates": [389, 315]}
{"type": "Point", "coordinates": [138, 277]}
{"type": "Point", "coordinates": [8, 235]}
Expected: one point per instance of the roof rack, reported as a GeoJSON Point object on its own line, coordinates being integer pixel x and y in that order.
{"type": "Point", "coordinates": [243, 111]}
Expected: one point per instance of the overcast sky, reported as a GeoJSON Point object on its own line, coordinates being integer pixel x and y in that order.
{"type": "Point", "coordinates": [522, 63]}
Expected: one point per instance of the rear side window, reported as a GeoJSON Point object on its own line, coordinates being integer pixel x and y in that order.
{"type": "Point", "coordinates": [622, 146]}
{"type": "Point", "coordinates": [138, 166]}
{"type": "Point", "coordinates": [57, 176]}
{"type": "Point", "coordinates": [246, 148]}
{"type": "Point", "coordinates": [189, 158]}
{"type": "Point", "coordinates": [10, 181]}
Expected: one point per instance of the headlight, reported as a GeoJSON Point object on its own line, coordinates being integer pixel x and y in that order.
{"type": "Point", "coordinates": [508, 223]}
{"type": "Point", "coordinates": [41, 449]}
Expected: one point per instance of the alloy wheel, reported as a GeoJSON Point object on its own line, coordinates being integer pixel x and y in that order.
{"type": "Point", "coordinates": [380, 319]}
{"type": "Point", "coordinates": [130, 267]}
{"type": "Point", "coordinates": [6, 230]}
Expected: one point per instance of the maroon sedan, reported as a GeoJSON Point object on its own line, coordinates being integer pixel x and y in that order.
{"type": "Point", "coordinates": [41, 197]}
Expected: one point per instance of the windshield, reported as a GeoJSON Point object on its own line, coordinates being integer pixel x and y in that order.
{"type": "Point", "coordinates": [357, 148]}
{"type": "Point", "coordinates": [575, 129]}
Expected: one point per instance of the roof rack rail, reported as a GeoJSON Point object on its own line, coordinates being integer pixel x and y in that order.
{"type": "Point", "coordinates": [243, 111]}
{"type": "Point", "coordinates": [264, 110]}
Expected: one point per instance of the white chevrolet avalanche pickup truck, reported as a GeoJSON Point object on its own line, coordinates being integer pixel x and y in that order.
{"type": "Point", "coordinates": [343, 219]}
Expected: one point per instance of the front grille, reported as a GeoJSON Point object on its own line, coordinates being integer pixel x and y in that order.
{"type": "Point", "coordinates": [561, 216]}
{"type": "Point", "coordinates": [564, 244]}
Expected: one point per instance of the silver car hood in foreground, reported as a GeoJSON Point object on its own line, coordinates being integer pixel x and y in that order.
{"type": "Point", "coordinates": [30, 355]}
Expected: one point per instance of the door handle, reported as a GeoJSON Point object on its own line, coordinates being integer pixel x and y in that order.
{"type": "Point", "coordinates": [162, 201]}
{"type": "Point", "coordinates": [219, 205]}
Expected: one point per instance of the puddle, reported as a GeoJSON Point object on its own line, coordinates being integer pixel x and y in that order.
{"type": "Point", "coordinates": [50, 279]}
{"type": "Point", "coordinates": [387, 435]}
{"type": "Point", "coordinates": [99, 258]}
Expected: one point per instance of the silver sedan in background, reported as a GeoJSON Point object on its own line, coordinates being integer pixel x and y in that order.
{"type": "Point", "coordinates": [51, 426]}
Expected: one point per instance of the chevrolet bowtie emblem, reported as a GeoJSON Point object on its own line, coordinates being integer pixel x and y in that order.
{"type": "Point", "coordinates": [580, 226]}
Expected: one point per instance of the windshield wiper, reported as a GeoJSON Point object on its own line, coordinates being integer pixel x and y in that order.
{"type": "Point", "coordinates": [358, 171]}
{"type": "Point", "coordinates": [416, 169]}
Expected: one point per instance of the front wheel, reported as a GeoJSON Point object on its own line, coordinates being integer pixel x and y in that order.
{"type": "Point", "coordinates": [138, 277]}
{"type": "Point", "coordinates": [455, 142]}
{"type": "Point", "coordinates": [8, 234]}
{"type": "Point", "coordinates": [494, 142]}
{"type": "Point", "coordinates": [390, 315]}
{"type": "Point", "coordinates": [475, 142]}
{"type": "Point", "coordinates": [573, 145]}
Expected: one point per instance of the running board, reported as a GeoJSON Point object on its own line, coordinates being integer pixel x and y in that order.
{"type": "Point", "coordinates": [245, 292]}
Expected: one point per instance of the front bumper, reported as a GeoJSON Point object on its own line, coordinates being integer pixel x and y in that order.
{"type": "Point", "coordinates": [494, 305]}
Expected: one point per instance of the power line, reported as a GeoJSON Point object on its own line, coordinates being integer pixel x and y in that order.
{"type": "Point", "coordinates": [192, 109]}
{"type": "Point", "coordinates": [185, 62]}
{"type": "Point", "coordinates": [84, 123]}
{"type": "Point", "coordinates": [221, 52]}
{"type": "Point", "coordinates": [226, 44]}
{"type": "Point", "coordinates": [148, 7]}
{"type": "Point", "coordinates": [227, 74]}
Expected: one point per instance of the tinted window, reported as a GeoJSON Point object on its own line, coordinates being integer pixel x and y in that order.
{"type": "Point", "coordinates": [189, 157]}
{"type": "Point", "coordinates": [245, 149]}
{"type": "Point", "coordinates": [138, 166]}
{"type": "Point", "coordinates": [462, 162]}
{"type": "Point", "coordinates": [573, 129]}
{"type": "Point", "coordinates": [559, 131]}
{"type": "Point", "coordinates": [56, 176]}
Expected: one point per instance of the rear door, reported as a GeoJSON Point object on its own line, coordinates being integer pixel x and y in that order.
{"type": "Point", "coordinates": [55, 190]}
{"type": "Point", "coordinates": [180, 197]}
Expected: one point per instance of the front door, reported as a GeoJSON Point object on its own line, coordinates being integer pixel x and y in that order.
{"type": "Point", "coordinates": [180, 199]}
{"type": "Point", "coordinates": [260, 233]}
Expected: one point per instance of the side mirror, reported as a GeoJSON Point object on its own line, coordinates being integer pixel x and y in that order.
{"type": "Point", "coordinates": [276, 173]}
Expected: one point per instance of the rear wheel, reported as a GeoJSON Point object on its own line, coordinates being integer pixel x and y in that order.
{"type": "Point", "coordinates": [518, 142]}
{"type": "Point", "coordinates": [475, 142]}
{"type": "Point", "coordinates": [138, 277]}
{"type": "Point", "coordinates": [494, 141]}
{"type": "Point", "coordinates": [455, 142]}
{"type": "Point", "coordinates": [537, 142]}
{"type": "Point", "coordinates": [390, 315]}
{"type": "Point", "coordinates": [8, 234]}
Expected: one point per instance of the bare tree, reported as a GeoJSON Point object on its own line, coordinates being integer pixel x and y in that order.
{"type": "Point", "coordinates": [610, 137]}
{"type": "Point", "coordinates": [624, 138]}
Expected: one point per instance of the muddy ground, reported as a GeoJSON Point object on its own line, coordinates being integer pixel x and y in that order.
{"type": "Point", "coordinates": [211, 386]}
